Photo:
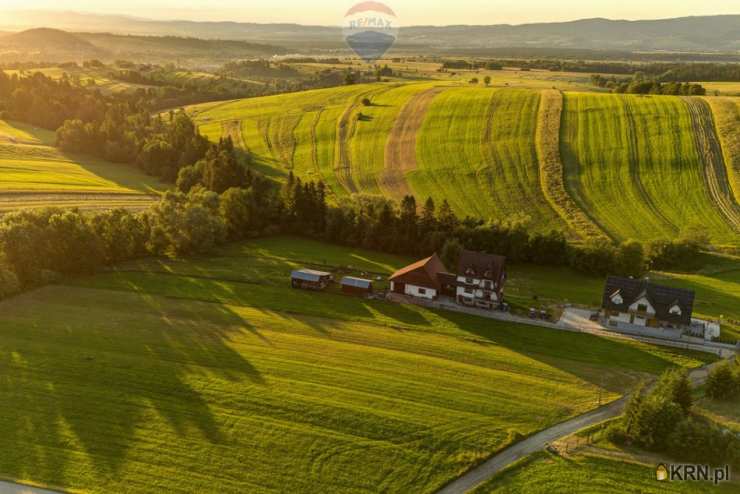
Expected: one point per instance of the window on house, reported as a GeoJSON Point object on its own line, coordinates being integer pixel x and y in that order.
{"type": "Point", "coordinates": [469, 291]}
{"type": "Point", "coordinates": [641, 308]}
{"type": "Point", "coordinates": [422, 291]}
{"type": "Point", "coordinates": [469, 281]}
{"type": "Point", "coordinates": [488, 285]}
{"type": "Point", "coordinates": [676, 310]}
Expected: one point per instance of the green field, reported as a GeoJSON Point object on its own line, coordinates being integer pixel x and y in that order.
{"type": "Point", "coordinates": [33, 173]}
{"type": "Point", "coordinates": [631, 162]}
{"type": "Point", "coordinates": [547, 474]}
{"type": "Point", "coordinates": [213, 375]}
{"type": "Point", "coordinates": [635, 167]}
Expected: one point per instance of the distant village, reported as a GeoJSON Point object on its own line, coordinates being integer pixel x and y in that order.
{"type": "Point", "coordinates": [637, 306]}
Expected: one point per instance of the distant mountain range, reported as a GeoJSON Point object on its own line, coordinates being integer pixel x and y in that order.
{"type": "Point", "coordinates": [54, 45]}
{"type": "Point", "coordinates": [697, 34]}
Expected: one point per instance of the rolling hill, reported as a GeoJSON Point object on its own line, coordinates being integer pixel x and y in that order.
{"type": "Point", "coordinates": [621, 166]}
{"type": "Point", "coordinates": [696, 33]}
{"type": "Point", "coordinates": [34, 173]}
{"type": "Point", "coordinates": [54, 45]}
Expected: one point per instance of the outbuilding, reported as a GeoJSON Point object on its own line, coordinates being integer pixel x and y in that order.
{"type": "Point", "coordinates": [356, 286]}
{"type": "Point", "coordinates": [310, 279]}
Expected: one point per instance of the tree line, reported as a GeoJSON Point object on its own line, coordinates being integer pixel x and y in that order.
{"type": "Point", "coordinates": [641, 85]}
{"type": "Point", "coordinates": [219, 200]}
{"type": "Point", "coordinates": [662, 420]}
{"type": "Point", "coordinates": [660, 71]}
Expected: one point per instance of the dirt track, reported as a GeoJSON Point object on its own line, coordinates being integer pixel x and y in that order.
{"type": "Point", "coordinates": [715, 171]}
{"type": "Point", "coordinates": [552, 172]}
{"type": "Point", "coordinates": [400, 149]}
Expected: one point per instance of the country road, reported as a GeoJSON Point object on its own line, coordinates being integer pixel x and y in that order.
{"type": "Point", "coordinates": [537, 442]}
{"type": "Point", "coordinates": [13, 488]}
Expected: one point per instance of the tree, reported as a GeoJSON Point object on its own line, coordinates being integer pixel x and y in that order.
{"type": "Point", "coordinates": [236, 209]}
{"type": "Point", "coordinates": [631, 259]}
{"type": "Point", "coordinates": [189, 176]}
{"type": "Point", "coordinates": [487, 80]}
{"type": "Point", "coordinates": [450, 254]}
{"type": "Point", "coordinates": [446, 218]}
{"type": "Point", "coordinates": [474, 80]}
{"type": "Point", "coordinates": [723, 383]}
{"type": "Point", "coordinates": [221, 169]}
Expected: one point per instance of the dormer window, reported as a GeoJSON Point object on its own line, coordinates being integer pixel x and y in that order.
{"type": "Point", "coordinates": [675, 310]}
{"type": "Point", "coordinates": [616, 298]}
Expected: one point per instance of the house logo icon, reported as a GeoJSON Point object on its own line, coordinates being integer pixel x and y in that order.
{"type": "Point", "coordinates": [370, 29]}
{"type": "Point", "coordinates": [661, 473]}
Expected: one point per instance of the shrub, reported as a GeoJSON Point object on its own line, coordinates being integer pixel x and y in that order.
{"type": "Point", "coordinates": [723, 383]}
{"type": "Point", "coordinates": [9, 284]}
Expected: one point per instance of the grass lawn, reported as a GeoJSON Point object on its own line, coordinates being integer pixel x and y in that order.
{"type": "Point", "coordinates": [33, 173]}
{"type": "Point", "coordinates": [548, 474]}
{"type": "Point", "coordinates": [214, 375]}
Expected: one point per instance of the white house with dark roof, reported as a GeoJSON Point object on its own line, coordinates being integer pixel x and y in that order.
{"type": "Point", "coordinates": [639, 302]}
{"type": "Point", "coordinates": [480, 279]}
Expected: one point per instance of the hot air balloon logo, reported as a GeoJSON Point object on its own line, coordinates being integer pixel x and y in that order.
{"type": "Point", "coordinates": [370, 29]}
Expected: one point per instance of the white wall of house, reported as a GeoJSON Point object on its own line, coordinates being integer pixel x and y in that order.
{"type": "Point", "coordinates": [622, 317]}
{"type": "Point", "coordinates": [643, 301]}
{"type": "Point", "coordinates": [475, 293]}
{"type": "Point", "coordinates": [420, 291]}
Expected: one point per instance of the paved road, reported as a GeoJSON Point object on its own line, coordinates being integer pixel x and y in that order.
{"type": "Point", "coordinates": [537, 442]}
{"type": "Point", "coordinates": [12, 488]}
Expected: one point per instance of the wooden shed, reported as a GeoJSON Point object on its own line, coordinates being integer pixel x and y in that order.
{"type": "Point", "coordinates": [356, 286]}
{"type": "Point", "coordinates": [310, 279]}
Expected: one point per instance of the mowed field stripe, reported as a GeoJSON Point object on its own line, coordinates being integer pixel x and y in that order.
{"type": "Point", "coordinates": [400, 149]}
{"type": "Point", "coordinates": [715, 172]}
{"type": "Point", "coordinates": [727, 120]}
{"type": "Point", "coordinates": [346, 127]}
{"type": "Point", "coordinates": [552, 173]}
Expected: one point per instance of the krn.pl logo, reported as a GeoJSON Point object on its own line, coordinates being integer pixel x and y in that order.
{"type": "Point", "coordinates": [370, 29]}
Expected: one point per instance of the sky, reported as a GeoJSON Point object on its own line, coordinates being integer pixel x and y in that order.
{"type": "Point", "coordinates": [409, 12]}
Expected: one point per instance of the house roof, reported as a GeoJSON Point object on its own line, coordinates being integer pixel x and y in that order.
{"type": "Point", "coordinates": [356, 282]}
{"type": "Point", "coordinates": [662, 298]}
{"type": "Point", "coordinates": [422, 273]}
{"type": "Point", "coordinates": [481, 265]}
{"type": "Point", "coordinates": [309, 275]}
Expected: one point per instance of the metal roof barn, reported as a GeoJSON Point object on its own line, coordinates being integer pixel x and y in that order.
{"type": "Point", "coordinates": [309, 275]}
{"type": "Point", "coordinates": [357, 282]}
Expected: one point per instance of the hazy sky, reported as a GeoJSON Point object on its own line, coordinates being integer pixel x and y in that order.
{"type": "Point", "coordinates": [330, 12]}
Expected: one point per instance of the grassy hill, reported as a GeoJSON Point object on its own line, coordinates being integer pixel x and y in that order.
{"type": "Point", "coordinates": [242, 384]}
{"type": "Point", "coordinates": [34, 173]}
{"type": "Point", "coordinates": [634, 166]}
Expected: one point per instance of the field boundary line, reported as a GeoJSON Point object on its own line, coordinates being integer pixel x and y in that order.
{"type": "Point", "coordinates": [551, 168]}
{"type": "Point", "coordinates": [715, 168]}
{"type": "Point", "coordinates": [723, 110]}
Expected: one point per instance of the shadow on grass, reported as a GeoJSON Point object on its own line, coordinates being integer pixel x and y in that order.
{"type": "Point", "coordinates": [79, 382]}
